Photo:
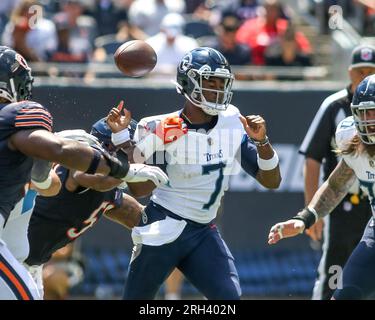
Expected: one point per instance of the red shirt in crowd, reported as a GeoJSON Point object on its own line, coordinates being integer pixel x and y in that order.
{"type": "Point", "coordinates": [258, 36]}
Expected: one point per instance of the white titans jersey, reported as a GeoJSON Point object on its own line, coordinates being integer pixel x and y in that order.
{"type": "Point", "coordinates": [362, 164]}
{"type": "Point", "coordinates": [198, 165]}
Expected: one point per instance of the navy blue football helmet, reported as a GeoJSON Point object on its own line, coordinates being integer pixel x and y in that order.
{"type": "Point", "coordinates": [15, 76]}
{"type": "Point", "coordinates": [102, 131]}
{"type": "Point", "coordinates": [201, 64]}
{"type": "Point", "coordinates": [363, 101]}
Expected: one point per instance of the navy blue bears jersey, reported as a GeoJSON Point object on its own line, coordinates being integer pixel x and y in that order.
{"type": "Point", "coordinates": [15, 167]}
{"type": "Point", "coordinates": [61, 219]}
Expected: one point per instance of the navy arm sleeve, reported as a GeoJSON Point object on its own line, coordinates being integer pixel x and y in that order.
{"type": "Point", "coordinates": [248, 156]}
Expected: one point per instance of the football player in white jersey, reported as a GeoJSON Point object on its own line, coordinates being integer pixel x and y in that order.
{"type": "Point", "coordinates": [177, 228]}
{"type": "Point", "coordinates": [355, 138]}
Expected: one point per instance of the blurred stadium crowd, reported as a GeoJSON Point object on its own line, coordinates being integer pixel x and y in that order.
{"type": "Point", "coordinates": [247, 32]}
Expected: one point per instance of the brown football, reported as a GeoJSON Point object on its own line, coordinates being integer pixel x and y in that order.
{"type": "Point", "coordinates": [135, 58]}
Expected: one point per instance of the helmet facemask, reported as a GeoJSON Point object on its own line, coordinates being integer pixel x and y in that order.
{"type": "Point", "coordinates": [212, 100]}
{"type": "Point", "coordinates": [364, 122]}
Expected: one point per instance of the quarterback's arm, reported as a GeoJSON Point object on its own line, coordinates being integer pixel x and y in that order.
{"type": "Point", "coordinates": [71, 154]}
{"type": "Point", "coordinates": [268, 174]}
{"type": "Point", "coordinates": [128, 214]}
{"type": "Point", "coordinates": [270, 179]}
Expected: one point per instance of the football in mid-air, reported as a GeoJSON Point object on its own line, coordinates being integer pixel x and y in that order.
{"type": "Point", "coordinates": [135, 58]}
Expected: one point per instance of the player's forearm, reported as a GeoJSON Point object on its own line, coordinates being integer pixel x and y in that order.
{"type": "Point", "coordinates": [128, 215]}
{"type": "Point", "coordinates": [311, 178]}
{"type": "Point", "coordinates": [333, 191]}
{"type": "Point", "coordinates": [270, 179]}
{"type": "Point", "coordinates": [96, 182]}
{"type": "Point", "coordinates": [71, 154]}
{"type": "Point", "coordinates": [75, 155]}
{"type": "Point", "coordinates": [266, 151]}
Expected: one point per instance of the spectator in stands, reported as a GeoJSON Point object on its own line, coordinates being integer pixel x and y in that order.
{"type": "Point", "coordinates": [6, 7]}
{"type": "Point", "coordinates": [286, 52]}
{"type": "Point", "coordinates": [76, 33]}
{"type": "Point", "coordinates": [192, 5]}
{"type": "Point", "coordinates": [243, 9]}
{"type": "Point", "coordinates": [107, 16]}
{"type": "Point", "coordinates": [106, 46]}
{"type": "Point", "coordinates": [236, 53]}
{"type": "Point", "coordinates": [261, 32]}
{"type": "Point", "coordinates": [148, 14]}
{"type": "Point", "coordinates": [170, 44]}
{"type": "Point", "coordinates": [31, 35]}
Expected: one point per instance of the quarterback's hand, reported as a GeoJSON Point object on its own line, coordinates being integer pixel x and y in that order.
{"type": "Point", "coordinates": [286, 229]}
{"type": "Point", "coordinates": [119, 118]}
{"type": "Point", "coordinates": [316, 230]}
{"type": "Point", "coordinates": [170, 129]}
{"type": "Point", "coordinates": [255, 127]}
{"type": "Point", "coordinates": [142, 172]}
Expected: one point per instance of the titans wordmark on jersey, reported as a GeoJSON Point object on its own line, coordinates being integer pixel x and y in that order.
{"type": "Point", "coordinates": [198, 165]}
{"type": "Point", "coordinates": [362, 164]}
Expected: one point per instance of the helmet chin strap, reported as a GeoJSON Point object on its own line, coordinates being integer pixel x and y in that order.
{"type": "Point", "coordinates": [210, 111]}
{"type": "Point", "coordinates": [206, 109]}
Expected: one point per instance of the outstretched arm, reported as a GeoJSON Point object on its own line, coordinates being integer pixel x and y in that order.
{"type": "Point", "coordinates": [331, 193]}
{"type": "Point", "coordinates": [327, 197]}
{"type": "Point", "coordinates": [47, 146]}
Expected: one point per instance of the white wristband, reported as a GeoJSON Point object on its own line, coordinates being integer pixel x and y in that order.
{"type": "Point", "coordinates": [268, 164]}
{"type": "Point", "coordinates": [120, 137]}
{"type": "Point", "coordinates": [44, 184]}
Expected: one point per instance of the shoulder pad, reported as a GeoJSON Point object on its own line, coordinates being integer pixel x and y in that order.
{"type": "Point", "coordinates": [345, 132]}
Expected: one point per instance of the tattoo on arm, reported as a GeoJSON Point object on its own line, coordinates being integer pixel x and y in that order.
{"type": "Point", "coordinates": [330, 194]}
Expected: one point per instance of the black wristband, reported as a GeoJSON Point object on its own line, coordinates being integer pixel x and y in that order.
{"type": "Point", "coordinates": [307, 216]}
{"type": "Point", "coordinates": [118, 169]}
{"type": "Point", "coordinates": [94, 162]}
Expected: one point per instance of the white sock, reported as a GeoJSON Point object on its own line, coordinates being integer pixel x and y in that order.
{"type": "Point", "coordinates": [172, 296]}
